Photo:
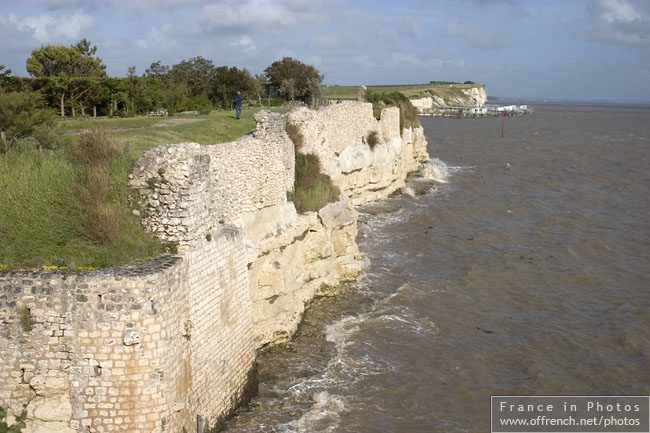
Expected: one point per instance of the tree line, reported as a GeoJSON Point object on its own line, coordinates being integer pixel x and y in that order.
{"type": "Point", "coordinates": [72, 80]}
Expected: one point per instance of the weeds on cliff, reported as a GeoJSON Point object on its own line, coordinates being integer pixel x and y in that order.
{"type": "Point", "coordinates": [16, 427]}
{"type": "Point", "coordinates": [312, 189]}
{"type": "Point", "coordinates": [372, 139]}
{"type": "Point", "coordinates": [295, 136]}
{"type": "Point", "coordinates": [26, 321]}
{"type": "Point", "coordinates": [408, 114]}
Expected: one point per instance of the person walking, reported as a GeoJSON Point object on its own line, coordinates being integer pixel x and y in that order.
{"type": "Point", "coordinates": [238, 101]}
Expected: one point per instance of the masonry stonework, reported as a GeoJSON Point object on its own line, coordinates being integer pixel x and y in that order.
{"type": "Point", "coordinates": [169, 345]}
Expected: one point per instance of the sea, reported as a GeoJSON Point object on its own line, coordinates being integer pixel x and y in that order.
{"type": "Point", "coordinates": [514, 265]}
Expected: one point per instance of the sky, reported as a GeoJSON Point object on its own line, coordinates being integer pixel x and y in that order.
{"type": "Point", "coordinates": [570, 49]}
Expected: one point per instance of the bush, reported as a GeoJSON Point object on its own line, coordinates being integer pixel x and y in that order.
{"type": "Point", "coordinates": [372, 139]}
{"type": "Point", "coordinates": [16, 427]}
{"type": "Point", "coordinates": [96, 149]}
{"type": "Point", "coordinates": [295, 136]}
{"type": "Point", "coordinates": [312, 189]}
{"type": "Point", "coordinates": [408, 114]}
{"type": "Point", "coordinates": [22, 116]}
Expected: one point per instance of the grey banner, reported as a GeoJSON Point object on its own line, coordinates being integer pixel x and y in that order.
{"type": "Point", "coordinates": [556, 414]}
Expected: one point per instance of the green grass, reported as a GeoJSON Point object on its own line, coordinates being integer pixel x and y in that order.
{"type": "Point", "coordinates": [445, 91]}
{"type": "Point", "coordinates": [71, 124]}
{"type": "Point", "coordinates": [43, 222]}
{"type": "Point", "coordinates": [48, 213]}
{"type": "Point", "coordinates": [312, 189]}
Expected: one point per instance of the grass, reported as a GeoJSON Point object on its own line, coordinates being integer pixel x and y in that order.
{"type": "Point", "coordinates": [70, 207]}
{"type": "Point", "coordinates": [445, 91]}
{"type": "Point", "coordinates": [408, 114]}
{"type": "Point", "coordinates": [312, 189]}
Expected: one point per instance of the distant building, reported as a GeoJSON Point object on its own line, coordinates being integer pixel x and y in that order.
{"type": "Point", "coordinates": [272, 90]}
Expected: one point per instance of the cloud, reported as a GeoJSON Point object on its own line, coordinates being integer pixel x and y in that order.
{"type": "Point", "coordinates": [485, 40]}
{"type": "Point", "coordinates": [515, 9]}
{"type": "Point", "coordinates": [399, 59]}
{"type": "Point", "coordinates": [140, 5]}
{"type": "Point", "coordinates": [259, 15]}
{"type": "Point", "coordinates": [617, 22]}
{"type": "Point", "coordinates": [244, 43]}
{"type": "Point", "coordinates": [46, 28]}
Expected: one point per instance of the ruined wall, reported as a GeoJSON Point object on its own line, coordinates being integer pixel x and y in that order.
{"type": "Point", "coordinates": [291, 258]}
{"type": "Point", "coordinates": [189, 191]}
{"type": "Point", "coordinates": [149, 347]}
{"type": "Point", "coordinates": [169, 345]}
{"type": "Point", "coordinates": [338, 134]}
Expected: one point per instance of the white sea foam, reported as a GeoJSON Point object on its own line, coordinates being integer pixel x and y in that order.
{"type": "Point", "coordinates": [436, 170]}
{"type": "Point", "coordinates": [407, 190]}
{"type": "Point", "coordinates": [325, 411]}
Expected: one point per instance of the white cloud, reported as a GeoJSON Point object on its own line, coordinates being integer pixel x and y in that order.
{"type": "Point", "coordinates": [156, 37]}
{"type": "Point", "coordinates": [45, 28]}
{"type": "Point", "coordinates": [616, 21]}
{"type": "Point", "coordinates": [244, 43]}
{"type": "Point", "coordinates": [259, 15]}
{"type": "Point", "coordinates": [612, 11]}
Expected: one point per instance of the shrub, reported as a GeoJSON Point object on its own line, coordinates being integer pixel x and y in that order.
{"type": "Point", "coordinates": [96, 149]}
{"type": "Point", "coordinates": [21, 116]}
{"type": "Point", "coordinates": [408, 114]}
{"type": "Point", "coordinates": [312, 189]}
{"type": "Point", "coordinates": [295, 136]}
{"type": "Point", "coordinates": [372, 139]}
{"type": "Point", "coordinates": [16, 427]}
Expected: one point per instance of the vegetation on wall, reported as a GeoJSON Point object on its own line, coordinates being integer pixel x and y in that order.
{"type": "Point", "coordinates": [372, 139]}
{"type": "Point", "coordinates": [311, 189]}
{"type": "Point", "coordinates": [408, 114]}
{"type": "Point", "coordinates": [16, 427]}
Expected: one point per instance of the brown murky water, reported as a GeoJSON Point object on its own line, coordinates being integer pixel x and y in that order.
{"type": "Point", "coordinates": [528, 272]}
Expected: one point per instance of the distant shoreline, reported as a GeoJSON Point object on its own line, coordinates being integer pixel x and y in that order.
{"type": "Point", "coordinates": [570, 102]}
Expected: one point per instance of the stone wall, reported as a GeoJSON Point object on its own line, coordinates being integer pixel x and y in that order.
{"type": "Point", "coordinates": [189, 191]}
{"type": "Point", "coordinates": [169, 345]}
{"type": "Point", "coordinates": [149, 347]}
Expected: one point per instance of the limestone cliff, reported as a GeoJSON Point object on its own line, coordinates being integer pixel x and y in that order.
{"type": "Point", "coordinates": [169, 344]}
{"type": "Point", "coordinates": [470, 97]}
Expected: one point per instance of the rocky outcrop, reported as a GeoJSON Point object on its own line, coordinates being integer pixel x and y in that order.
{"type": "Point", "coordinates": [470, 97]}
{"type": "Point", "coordinates": [338, 134]}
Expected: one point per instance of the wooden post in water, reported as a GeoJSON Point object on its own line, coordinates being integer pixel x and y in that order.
{"type": "Point", "coordinates": [503, 117]}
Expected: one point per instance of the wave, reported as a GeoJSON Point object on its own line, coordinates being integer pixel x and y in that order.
{"type": "Point", "coordinates": [436, 170]}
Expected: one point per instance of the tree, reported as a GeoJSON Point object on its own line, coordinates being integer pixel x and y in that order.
{"type": "Point", "coordinates": [22, 115]}
{"type": "Point", "coordinates": [63, 65]}
{"type": "Point", "coordinates": [295, 79]}
{"type": "Point", "coordinates": [197, 74]}
{"type": "Point", "coordinates": [157, 71]}
{"type": "Point", "coordinates": [229, 81]}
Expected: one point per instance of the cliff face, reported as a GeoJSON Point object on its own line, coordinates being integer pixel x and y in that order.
{"type": "Point", "coordinates": [338, 134]}
{"type": "Point", "coordinates": [169, 344]}
{"type": "Point", "coordinates": [472, 97]}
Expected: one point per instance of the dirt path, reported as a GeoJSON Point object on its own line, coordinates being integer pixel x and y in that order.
{"type": "Point", "coordinates": [174, 121]}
